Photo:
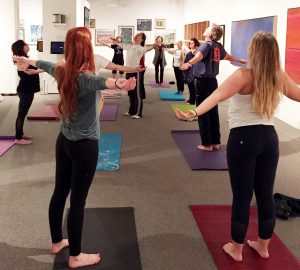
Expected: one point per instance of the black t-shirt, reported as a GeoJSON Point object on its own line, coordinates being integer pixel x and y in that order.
{"type": "Point", "coordinates": [118, 54]}
{"type": "Point", "coordinates": [28, 83]}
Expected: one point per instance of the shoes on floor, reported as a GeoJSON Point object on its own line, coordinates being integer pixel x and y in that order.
{"type": "Point", "coordinates": [179, 93]}
{"type": "Point", "coordinates": [23, 142]}
{"type": "Point", "coordinates": [135, 117]}
{"type": "Point", "coordinates": [127, 114]}
{"type": "Point", "coordinates": [26, 137]}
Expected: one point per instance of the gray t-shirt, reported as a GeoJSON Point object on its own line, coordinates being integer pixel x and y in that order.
{"type": "Point", "coordinates": [85, 124]}
{"type": "Point", "coordinates": [208, 67]}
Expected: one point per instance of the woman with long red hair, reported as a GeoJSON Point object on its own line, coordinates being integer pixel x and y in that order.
{"type": "Point", "coordinates": [77, 143]}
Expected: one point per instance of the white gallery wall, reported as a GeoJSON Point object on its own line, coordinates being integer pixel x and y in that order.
{"type": "Point", "coordinates": [224, 12]}
{"type": "Point", "coordinates": [8, 19]}
{"type": "Point", "coordinates": [110, 17]}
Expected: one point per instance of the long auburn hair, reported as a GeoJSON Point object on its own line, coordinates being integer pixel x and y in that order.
{"type": "Point", "coordinates": [264, 62]}
{"type": "Point", "coordinates": [79, 58]}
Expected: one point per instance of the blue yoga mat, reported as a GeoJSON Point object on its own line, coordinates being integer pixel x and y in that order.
{"type": "Point", "coordinates": [109, 152]}
{"type": "Point", "coordinates": [170, 95]}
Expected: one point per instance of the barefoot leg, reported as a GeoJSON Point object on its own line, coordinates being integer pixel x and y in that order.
{"type": "Point", "coordinates": [84, 259]}
{"type": "Point", "coordinates": [57, 247]}
{"type": "Point", "coordinates": [234, 250]}
{"type": "Point", "coordinates": [204, 148]}
{"type": "Point", "coordinates": [261, 247]}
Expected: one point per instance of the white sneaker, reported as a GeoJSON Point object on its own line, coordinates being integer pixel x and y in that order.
{"type": "Point", "coordinates": [135, 117]}
{"type": "Point", "coordinates": [127, 114]}
{"type": "Point", "coordinates": [22, 142]}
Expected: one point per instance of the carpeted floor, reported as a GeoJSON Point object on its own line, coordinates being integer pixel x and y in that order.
{"type": "Point", "coordinates": [154, 179]}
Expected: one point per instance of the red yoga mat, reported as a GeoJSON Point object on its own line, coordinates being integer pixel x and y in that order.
{"type": "Point", "coordinates": [6, 144]}
{"type": "Point", "coordinates": [214, 224]}
{"type": "Point", "coordinates": [47, 112]}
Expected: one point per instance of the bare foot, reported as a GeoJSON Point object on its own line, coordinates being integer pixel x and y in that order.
{"type": "Point", "coordinates": [57, 247]}
{"type": "Point", "coordinates": [260, 247]}
{"type": "Point", "coordinates": [234, 250]}
{"type": "Point", "coordinates": [216, 146]}
{"type": "Point", "coordinates": [84, 259]}
{"type": "Point", "coordinates": [204, 148]}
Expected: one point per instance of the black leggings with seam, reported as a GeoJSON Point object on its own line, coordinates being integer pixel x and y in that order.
{"type": "Point", "coordinates": [76, 163]}
{"type": "Point", "coordinates": [252, 155]}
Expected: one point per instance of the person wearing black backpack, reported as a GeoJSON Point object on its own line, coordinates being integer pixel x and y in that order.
{"type": "Point", "coordinates": [205, 69]}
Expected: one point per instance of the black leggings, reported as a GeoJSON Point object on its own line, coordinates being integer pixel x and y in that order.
{"type": "Point", "coordinates": [24, 106]}
{"type": "Point", "coordinates": [252, 154]}
{"type": "Point", "coordinates": [76, 163]}
{"type": "Point", "coordinates": [159, 65]}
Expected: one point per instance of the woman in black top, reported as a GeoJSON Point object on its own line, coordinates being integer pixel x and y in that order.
{"type": "Point", "coordinates": [28, 85]}
{"type": "Point", "coordinates": [118, 58]}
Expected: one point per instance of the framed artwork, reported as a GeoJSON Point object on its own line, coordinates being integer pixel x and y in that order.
{"type": "Point", "coordinates": [222, 39]}
{"type": "Point", "coordinates": [243, 31]}
{"type": "Point", "coordinates": [86, 17]}
{"type": "Point", "coordinates": [36, 32]}
{"type": "Point", "coordinates": [144, 25]}
{"type": "Point", "coordinates": [103, 35]}
{"type": "Point", "coordinates": [126, 32]}
{"type": "Point", "coordinates": [169, 36]}
{"type": "Point", "coordinates": [292, 48]}
{"type": "Point", "coordinates": [92, 23]}
{"type": "Point", "coordinates": [148, 37]}
{"type": "Point", "coordinates": [159, 23]}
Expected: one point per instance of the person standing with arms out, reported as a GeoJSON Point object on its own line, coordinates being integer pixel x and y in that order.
{"type": "Point", "coordinates": [178, 59]}
{"type": "Point", "coordinates": [135, 51]}
{"type": "Point", "coordinates": [118, 58]}
{"type": "Point", "coordinates": [205, 68]}
{"type": "Point", "coordinates": [252, 148]}
{"type": "Point", "coordinates": [28, 85]}
{"type": "Point", "coordinates": [188, 76]}
{"type": "Point", "coordinates": [77, 143]}
{"type": "Point", "coordinates": [159, 60]}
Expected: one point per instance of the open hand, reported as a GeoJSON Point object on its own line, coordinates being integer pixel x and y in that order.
{"type": "Point", "coordinates": [127, 85]}
{"type": "Point", "coordinates": [184, 116]}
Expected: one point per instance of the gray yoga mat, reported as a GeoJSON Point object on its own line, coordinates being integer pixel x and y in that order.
{"type": "Point", "coordinates": [109, 112]}
{"type": "Point", "coordinates": [187, 140]}
{"type": "Point", "coordinates": [112, 233]}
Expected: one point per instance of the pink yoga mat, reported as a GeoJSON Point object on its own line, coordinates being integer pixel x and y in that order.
{"type": "Point", "coordinates": [5, 145]}
{"type": "Point", "coordinates": [214, 224]}
{"type": "Point", "coordinates": [109, 112]}
{"type": "Point", "coordinates": [47, 112]}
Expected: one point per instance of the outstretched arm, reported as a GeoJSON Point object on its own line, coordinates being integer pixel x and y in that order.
{"type": "Point", "coordinates": [230, 87]}
{"type": "Point", "coordinates": [234, 59]}
{"type": "Point", "coordinates": [121, 83]}
{"type": "Point", "coordinates": [113, 66]}
{"type": "Point", "coordinates": [290, 88]}
{"type": "Point", "coordinates": [31, 71]}
{"type": "Point", "coordinates": [105, 44]}
{"type": "Point", "coordinates": [198, 57]}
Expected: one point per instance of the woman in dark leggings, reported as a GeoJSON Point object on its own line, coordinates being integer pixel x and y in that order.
{"type": "Point", "coordinates": [28, 85]}
{"type": "Point", "coordinates": [77, 143]}
{"type": "Point", "coordinates": [252, 149]}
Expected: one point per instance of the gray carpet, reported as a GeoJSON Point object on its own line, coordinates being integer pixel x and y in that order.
{"type": "Point", "coordinates": [154, 179]}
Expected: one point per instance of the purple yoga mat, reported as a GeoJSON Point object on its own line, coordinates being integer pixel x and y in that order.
{"type": "Point", "coordinates": [109, 112]}
{"type": "Point", "coordinates": [154, 85]}
{"type": "Point", "coordinates": [187, 140]}
{"type": "Point", "coordinates": [5, 145]}
{"type": "Point", "coordinates": [47, 112]}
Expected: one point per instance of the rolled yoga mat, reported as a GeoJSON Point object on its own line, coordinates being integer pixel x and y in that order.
{"type": "Point", "coordinates": [112, 233]}
{"type": "Point", "coordinates": [109, 112]}
{"type": "Point", "coordinates": [170, 95]}
{"type": "Point", "coordinates": [214, 224]}
{"type": "Point", "coordinates": [47, 112]}
{"type": "Point", "coordinates": [187, 141]}
{"type": "Point", "coordinates": [109, 152]}
{"type": "Point", "coordinates": [184, 108]}
{"type": "Point", "coordinates": [6, 142]}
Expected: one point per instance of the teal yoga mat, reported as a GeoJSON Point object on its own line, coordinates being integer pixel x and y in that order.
{"type": "Point", "coordinates": [170, 95]}
{"type": "Point", "coordinates": [109, 152]}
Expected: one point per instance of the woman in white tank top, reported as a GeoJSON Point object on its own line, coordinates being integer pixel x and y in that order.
{"type": "Point", "coordinates": [252, 148]}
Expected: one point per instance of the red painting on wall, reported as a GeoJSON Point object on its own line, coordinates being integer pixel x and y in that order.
{"type": "Point", "coordinates": [292, 52]}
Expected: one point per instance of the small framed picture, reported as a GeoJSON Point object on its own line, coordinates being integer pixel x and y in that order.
{"type": "Point", "coordinates": [92, 23]}
{"type": "Point", "coordinates": [222, 39]}
{"type": "Point", "coordinates": [159, 23]}
{"type": "Point", "coordinates": [144, 25]}
{"type": "Point", "coordinates": [103, 35]}
{"type": "Point", "coordinates": [86, 17]}
{"type": "Point", "coordinates": [126, 32]}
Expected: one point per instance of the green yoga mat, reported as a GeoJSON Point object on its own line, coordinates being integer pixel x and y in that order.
{"type": "Point", "coordinates": [185, 108]}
